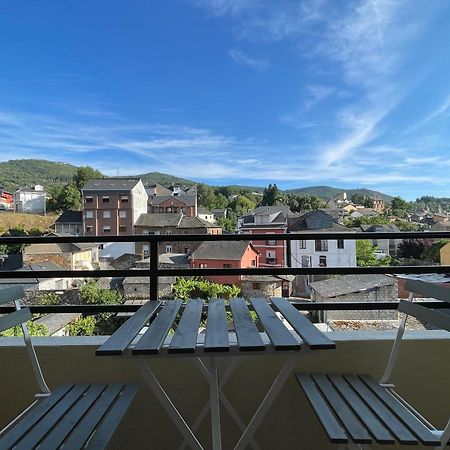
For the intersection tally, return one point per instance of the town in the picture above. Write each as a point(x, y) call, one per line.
point(118, 206)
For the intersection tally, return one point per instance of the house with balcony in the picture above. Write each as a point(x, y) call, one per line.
point(225, 255)
point(30, 200)
point(172, 224)
point(267, 219)
point(111, 207)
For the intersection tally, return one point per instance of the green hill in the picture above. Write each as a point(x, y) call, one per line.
point(327, 192)
point(162, 178)
point(28, 172)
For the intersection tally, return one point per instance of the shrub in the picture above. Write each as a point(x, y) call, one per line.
point(81, 326)
point(48, 298)
point(34, 328)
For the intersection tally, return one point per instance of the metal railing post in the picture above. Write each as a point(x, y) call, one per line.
point(154, 269)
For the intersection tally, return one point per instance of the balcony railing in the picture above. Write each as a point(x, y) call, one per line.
point(154, 271)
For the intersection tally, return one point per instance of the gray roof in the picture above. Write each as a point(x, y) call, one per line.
point(172, 258)
point(111, 184)
point(231, 250)
point(203, 210)
point(349, 284)
point(70, 217)
point(391, 228)
point(188, 200)
point(315, 221)
point(146, 280)
point(159, 220)
point(263, 210)
point(268, 278)
point(196, 222)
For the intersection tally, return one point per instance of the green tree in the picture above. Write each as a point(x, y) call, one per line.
point(82, 326)
point(365, 255)
point(196, 287)
point(358, 199)
point(84, 174)
point(206, 196)
point(433, 252)
point(242, 205)
point(399, 207)
point(271, 195)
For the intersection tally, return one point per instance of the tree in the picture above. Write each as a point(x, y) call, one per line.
point(399, 207)
point(413, 248)
point(65, 198)
point(271, 195)
point(206, 196)
point(84, 174)
point(358, 199)
point(433, 253)
point(365, 255)
point(186, 288)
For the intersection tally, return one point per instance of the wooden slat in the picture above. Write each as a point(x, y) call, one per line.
point(216, 338)
point(431, 290)
point(376, 428)
point(63, 428)
point(46, 424)
point(314, 338)
point(185, 338)
point(333, 429)
point(153, 338)
point(103, 418)
point(15, 318)
point(247, 333)
point(352, 424)
point(425, 314)
point(280, 336)
point(403, 435)
point(34, 415)
point(11, 293)
point(411, 421)
point(122, 338)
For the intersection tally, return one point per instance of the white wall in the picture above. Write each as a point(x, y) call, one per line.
point(336, 257)
point(115, 249)
point(139, 199)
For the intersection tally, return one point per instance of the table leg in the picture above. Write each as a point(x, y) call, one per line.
point(167, 404)
point(215, 405)
point(271, 395)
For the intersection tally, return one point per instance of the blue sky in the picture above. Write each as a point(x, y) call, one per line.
point(300, 93)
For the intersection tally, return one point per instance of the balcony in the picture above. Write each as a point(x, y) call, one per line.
point(421, 374)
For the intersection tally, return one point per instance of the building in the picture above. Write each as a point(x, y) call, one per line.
point(320, 252)
point(267, 219)
point(387, 246)
point(358, 289)
point(204, 214)
point(266, 285)
point(378, 204)
point(111, 207)
point(172, 199)
point(6, 200)
point(69, 222)
point(30, 200)
point(170, 224)
point(225, 255)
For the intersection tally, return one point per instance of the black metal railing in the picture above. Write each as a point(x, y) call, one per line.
point(154, 271)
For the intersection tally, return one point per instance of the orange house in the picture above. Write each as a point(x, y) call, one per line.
point(225, 255)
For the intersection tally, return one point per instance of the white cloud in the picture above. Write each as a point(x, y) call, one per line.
point(241, 58)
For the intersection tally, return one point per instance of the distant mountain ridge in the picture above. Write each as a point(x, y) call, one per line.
point(28, 172)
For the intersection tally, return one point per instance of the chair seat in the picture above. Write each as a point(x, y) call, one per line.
point(74, 415)
point(357, 408)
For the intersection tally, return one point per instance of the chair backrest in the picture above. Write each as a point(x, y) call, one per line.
point(20, 317)
point(430, 290)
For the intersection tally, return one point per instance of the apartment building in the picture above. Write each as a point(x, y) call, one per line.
point(111, 207)
point(172, 199)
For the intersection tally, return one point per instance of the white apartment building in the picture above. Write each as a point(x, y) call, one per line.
point(31, 200)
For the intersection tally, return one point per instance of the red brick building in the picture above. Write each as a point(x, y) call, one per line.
point(223, 255)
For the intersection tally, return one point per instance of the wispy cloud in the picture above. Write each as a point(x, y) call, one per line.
point(241, 58)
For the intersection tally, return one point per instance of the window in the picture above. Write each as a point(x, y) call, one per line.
point(122, 228)
point(146, 250)
point(270, 254)
point(271, 243)
point(89, 229)
point(168, 248)
point(145, 232)
point(89, 214)
point(321, 245)
point(169, 232)
point(256, 286)
point(227, 266)
point(340, 243)
point(306, 261)
point(302, 244)
point(89, 199)
point(203, 266)
point(253, 263)
point(124, 198)
point(107, 214)
point(322, 261)
point(106, 229)
point(122, 214)
point(105, 199)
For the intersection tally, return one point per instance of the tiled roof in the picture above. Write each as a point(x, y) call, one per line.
point(196, 222)
point(188, 200)
point(349, 284)
point(111, 184)
point(230, 250)
point(315, 221)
